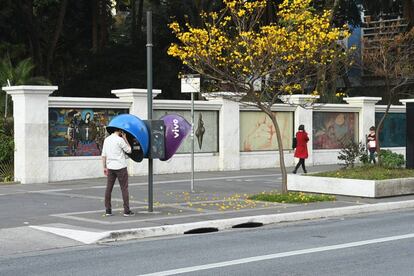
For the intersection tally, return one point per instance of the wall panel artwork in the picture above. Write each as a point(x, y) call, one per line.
point(78, 131)
point(332, 129)
point(394, 129)
point(205, 130)
point(257, 132)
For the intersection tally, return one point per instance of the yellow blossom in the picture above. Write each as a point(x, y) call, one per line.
point(227, 44)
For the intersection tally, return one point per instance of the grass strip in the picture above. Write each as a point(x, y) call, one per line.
point(291, 197)
point(368, 172)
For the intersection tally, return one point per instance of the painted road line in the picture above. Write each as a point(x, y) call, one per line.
point(73, 216)
point(49, 191)
point(86, 237)
point(185, 181)
point(100, 198)
point(280, 255)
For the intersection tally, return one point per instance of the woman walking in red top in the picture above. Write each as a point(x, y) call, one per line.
point(301, 150)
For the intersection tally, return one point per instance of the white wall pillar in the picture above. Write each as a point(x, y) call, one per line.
point(229, 136)
point(366, 114)
point(139, 108)
point(303, 116)
point(31, 132)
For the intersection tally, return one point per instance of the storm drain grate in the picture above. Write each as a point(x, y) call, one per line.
point(202, 230)
point(248, 225)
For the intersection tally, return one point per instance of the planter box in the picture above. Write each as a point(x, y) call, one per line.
point(350, 187)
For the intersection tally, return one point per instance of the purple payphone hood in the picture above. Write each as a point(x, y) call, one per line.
point(176, 130)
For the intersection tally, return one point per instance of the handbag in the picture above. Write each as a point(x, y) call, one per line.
point(294, 143)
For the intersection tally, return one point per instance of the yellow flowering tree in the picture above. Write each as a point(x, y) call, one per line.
point(238, 53)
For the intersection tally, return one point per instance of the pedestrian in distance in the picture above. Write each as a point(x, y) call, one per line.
point(372, 144)
point(301, 150)
point(114, 161)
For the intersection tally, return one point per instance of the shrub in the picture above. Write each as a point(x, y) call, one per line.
point(391, 159)
point(7, 126)
point(6, 149)
point(364, 157)
point(350, 152)
point(6, 171)
point(6, 139)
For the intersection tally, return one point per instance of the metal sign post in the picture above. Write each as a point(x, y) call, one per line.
point(6, 100)
point(409, 149)
point(191, 84)
point(149, 106)
point(192, 143)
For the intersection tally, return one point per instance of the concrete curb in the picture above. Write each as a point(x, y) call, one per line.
point(222, 224)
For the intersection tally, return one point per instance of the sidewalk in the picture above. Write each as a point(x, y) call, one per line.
point(74, 209)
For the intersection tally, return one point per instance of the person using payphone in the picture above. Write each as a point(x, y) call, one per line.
point(114, 151)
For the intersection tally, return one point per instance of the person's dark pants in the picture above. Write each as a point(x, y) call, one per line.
point(122, 176)
point(301, 162)
point(372, 156)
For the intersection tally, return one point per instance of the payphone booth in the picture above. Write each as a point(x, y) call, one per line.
point(156, 139)
point(137, 134)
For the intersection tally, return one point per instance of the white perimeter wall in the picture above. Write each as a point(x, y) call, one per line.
point(228, 157)
point(66, 168)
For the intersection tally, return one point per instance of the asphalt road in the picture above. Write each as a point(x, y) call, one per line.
point(376, 244)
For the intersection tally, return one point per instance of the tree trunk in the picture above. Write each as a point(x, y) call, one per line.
point(102, 21)
point(140, 18)
point(134, 22)
point(32, 32)
point(409, 12)
point(280, 149)
point(94, 26)
point(335, 5)
point(380, 123)
point(378, 130)
point(55, 38)
point(321, 80)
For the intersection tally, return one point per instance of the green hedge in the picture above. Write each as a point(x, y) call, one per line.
point(6, 150)
point(6, 147)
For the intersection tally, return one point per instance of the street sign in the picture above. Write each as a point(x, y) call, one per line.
point(190, 84)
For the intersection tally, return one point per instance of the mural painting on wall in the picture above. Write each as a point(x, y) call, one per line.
point(394, 129)
point(332, 129)
point(205, 130)
point(77, 131)
point(257, 132)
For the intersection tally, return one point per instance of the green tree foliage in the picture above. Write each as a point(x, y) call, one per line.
point(19, 74)
point(69, 41)
point(79, 44)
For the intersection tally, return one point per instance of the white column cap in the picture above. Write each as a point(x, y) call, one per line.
point(362, 100)
point(300, 99)
point(30, 89)
point(405, 101)
point(134, 93)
